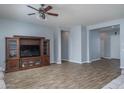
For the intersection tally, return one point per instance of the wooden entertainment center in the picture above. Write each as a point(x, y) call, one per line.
point(25, 52)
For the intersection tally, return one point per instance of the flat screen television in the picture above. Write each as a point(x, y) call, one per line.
point(29, 50)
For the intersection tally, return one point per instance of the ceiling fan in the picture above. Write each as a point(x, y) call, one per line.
point(42, 11)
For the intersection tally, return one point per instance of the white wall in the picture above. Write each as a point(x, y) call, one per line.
point(75, 45)
point(122, 45)
point(94, 45)
point(110, 23)
point(91, 27)
point(57, 45)
point(9, 28)
point(102, 43)
point(84, 44)
point(65, 45)
point(78, 44)
point(105, 44)
point(115, 45)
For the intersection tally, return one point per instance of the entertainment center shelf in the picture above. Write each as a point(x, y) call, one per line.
point(26, 52)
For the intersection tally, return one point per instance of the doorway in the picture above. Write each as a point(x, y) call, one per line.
point(65, 46)
point(105, 43)
point(110, 44)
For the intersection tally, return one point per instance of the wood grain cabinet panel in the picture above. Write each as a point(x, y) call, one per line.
point(12, 65)
point(46, 60)
point(16, 57)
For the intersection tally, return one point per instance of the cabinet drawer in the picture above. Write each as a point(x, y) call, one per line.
point(30, 62)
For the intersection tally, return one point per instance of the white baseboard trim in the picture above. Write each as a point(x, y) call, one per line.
point(110, 58)
point(55, 62)
point(75, 61)
point(107, 57)
point(79, 62)
point(86, 62)
point(58, 62)
point(94, 60)
point(52, 61)
point(65, 59)
point(116, 58)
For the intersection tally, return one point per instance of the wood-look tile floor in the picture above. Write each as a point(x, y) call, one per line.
point(67, 75)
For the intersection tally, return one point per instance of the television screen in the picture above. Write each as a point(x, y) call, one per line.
point(29, 50)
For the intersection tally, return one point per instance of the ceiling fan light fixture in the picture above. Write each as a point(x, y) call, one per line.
point(40, 17)
point(42, 11)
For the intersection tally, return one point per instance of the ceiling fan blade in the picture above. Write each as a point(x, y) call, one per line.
point(47, 8)
point(32, 7)
point(31, 14)
point(53, 14)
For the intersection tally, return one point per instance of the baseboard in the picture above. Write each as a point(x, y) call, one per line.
point(116, 58)
point(52, 62)
point(110, 58)
point(94, 60)
point(107, 57)
point(88, 61)
point(74, 61)
point(79, 62)
point(55, 62)
point(58, 62)
point(64, 59)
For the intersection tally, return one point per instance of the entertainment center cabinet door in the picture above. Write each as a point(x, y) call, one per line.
point(46, 52)
point(12, 54)
point(46, 60)
point(12, 48)
point(12, 65)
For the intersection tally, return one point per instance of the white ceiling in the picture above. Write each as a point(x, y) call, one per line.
point(69, 14)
